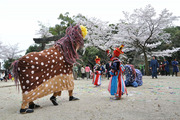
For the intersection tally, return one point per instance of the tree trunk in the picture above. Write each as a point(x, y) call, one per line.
point(43, 46)
point(146, 63)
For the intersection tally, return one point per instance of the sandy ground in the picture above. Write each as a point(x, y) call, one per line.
point(157, 99)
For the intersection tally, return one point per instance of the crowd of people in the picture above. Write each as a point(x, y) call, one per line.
point(86, 72)
point(5, 75)
point(156, 68)
point(133, 76)
point(163, 68)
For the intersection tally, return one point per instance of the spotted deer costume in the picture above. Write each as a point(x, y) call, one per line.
point(49, 71)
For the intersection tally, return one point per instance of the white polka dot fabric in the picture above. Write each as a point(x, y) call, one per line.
point(44, 71)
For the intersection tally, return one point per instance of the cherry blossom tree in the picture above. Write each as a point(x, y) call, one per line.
point(143, 31)
point(44, 30)
point(10, 52)
point(99, 32)
point(1, 49)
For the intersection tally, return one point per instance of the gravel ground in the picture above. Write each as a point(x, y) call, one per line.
point(156, 99)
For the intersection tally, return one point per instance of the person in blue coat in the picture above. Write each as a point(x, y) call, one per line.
point(153, 66)
point(175, 67)
point(166, 64)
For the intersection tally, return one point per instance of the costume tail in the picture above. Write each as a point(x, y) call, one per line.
point(15, 72)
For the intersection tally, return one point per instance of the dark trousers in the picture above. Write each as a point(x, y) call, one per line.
point(175, 73)
point(83, 75)
point(154, 74)
point(108, 75)
point(167, 73)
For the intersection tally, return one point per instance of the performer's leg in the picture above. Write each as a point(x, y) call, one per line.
point(24, 105)
point(32, 105)
point(53, 98)
point(71, 97)
point(24, 108)
point(70, 92)
point(57, 94)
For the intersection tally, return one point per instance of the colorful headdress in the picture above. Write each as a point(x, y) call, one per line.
point(118, 51)
point(83, 30)
point(97, 59)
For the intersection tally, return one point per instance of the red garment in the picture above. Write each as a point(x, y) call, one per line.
point(119, 89)
point(10, 76)
point(96, 82)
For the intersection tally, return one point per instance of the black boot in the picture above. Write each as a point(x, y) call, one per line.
point(71, 98)
point(32, 106)
point(53, 100)
point(27, 110)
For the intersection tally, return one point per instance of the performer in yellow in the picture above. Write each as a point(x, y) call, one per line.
point(49, 71)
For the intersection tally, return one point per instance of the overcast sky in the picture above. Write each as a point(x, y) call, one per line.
point(19, 18)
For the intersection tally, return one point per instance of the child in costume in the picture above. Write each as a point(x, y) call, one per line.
point(49, 71)
point(97, 72)
point(116, 84)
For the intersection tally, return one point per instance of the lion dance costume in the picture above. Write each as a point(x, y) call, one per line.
point(49, 71)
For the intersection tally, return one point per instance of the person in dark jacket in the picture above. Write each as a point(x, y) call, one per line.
point(166, 64)
point(175, 67)
point(108, 68)
point(153, 66)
